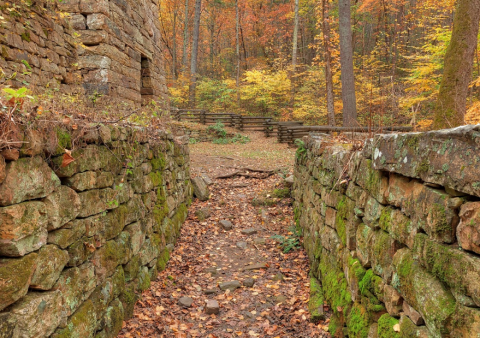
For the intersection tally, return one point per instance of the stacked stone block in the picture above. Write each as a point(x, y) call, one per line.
point(392, 232)
point(79, 243)
point(106, 48)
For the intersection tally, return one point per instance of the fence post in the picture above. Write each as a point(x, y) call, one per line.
point(203, 117)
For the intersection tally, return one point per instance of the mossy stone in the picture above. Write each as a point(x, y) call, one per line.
point(81, 324)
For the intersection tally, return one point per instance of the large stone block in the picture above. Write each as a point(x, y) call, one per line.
point(50, 263)
point(76, 284)
point(23, 228)
point(446, 157)
point(200, 189)
point(372, 180)
point(15, 274)
point(39, 313)
point(107, 258)
point(457, 269)
point(62, 206)
point(424, 292)
point(81, 324)
point(68, 234)
point(26, 179)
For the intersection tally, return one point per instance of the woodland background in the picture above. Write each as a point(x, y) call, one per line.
point(399, 48)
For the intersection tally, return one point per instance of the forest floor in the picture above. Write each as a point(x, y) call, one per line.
point(206, 256)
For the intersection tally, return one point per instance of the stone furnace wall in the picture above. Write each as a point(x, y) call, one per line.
point(97, 47)
point(393, 232)
point(80, 242)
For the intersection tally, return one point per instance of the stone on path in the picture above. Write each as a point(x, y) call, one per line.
point(203, 214)
point(200, 189)
point(256, 266)
point(185, 302)
point(280, 299)
point(206, 179)
point(249, 282)
point(210, 291)
point(212, 270)
point(241, 245)
point(232, 286)
point(278, 277)
point(226, 225)
point(212, 307)
point(289, 181)
point(259, 240)
point(249, 231)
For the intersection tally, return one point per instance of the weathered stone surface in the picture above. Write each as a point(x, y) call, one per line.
point(26, 179)
point(114, 318)
point(468, 231)
point(23, 228)
point(413, 314)
point(50, 263)
point(76, 284)
point(444, 157)
point(225, 225)
point(68, 234)
point(96, 201)
point(423, 291)
point(232, 286)
point(62, 206)
point(409, 329)
point(203, 214)
point(458, 269)
point(248, 282)
point(393, 301)
point(8, 325)
point(249, 231)
point(241, 245)
point(81, 324)
point(200, 189)
point(107, 258)
point(212, 307)
point(82, 181)
point(256, 266)
point(39, 313)
point(15, 274)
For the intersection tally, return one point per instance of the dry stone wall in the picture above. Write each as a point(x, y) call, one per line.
point(108, 48)
point(392, 232)
point(80, 242)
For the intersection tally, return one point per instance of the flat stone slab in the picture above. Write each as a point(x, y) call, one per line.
point(249, 231)
point(185, 302)
point(210, 292)
point(226, 225)
point(232, 286)
point(212, 307)
point(259, 240)
point(256, 266)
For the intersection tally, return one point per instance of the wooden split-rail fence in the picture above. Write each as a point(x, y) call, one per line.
point(286, 132)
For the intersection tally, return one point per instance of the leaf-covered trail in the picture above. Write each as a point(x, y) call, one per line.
point(206, 256)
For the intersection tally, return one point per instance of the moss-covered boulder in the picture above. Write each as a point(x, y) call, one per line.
point(62, 206)
point(143, 279)
point(128, 299)
point(358, 322)
point(26, 179)
point(409, 329)
point(39, 313)
point(16, 274)
point(386, 325)
point(23, 228)
point(81, 324)
point(76, 284)
point(50, 263)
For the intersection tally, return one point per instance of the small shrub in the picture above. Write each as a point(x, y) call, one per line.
point(193, 141)
point(281, 193)
point(218, 129)
point(290, 242)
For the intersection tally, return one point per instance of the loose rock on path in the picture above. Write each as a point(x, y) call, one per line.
point(232, 277)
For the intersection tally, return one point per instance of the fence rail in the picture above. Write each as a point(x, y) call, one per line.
point(286, 132)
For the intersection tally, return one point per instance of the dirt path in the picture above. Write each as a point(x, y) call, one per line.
point(207, 255)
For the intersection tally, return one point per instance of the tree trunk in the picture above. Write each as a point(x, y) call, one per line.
point(237, 50)
point(193, 64)
point(174, 45)
point(294, 50)
point(328, 64)
point(452, 99)
point(346, 60)
point(185, 38)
